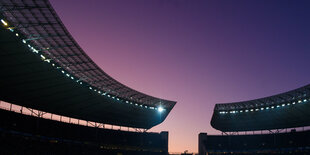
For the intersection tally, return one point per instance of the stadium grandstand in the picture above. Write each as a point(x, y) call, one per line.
point(45, 71)
point(272, 125)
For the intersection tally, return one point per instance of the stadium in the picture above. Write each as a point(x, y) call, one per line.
point(56, 100)
point(272, 125)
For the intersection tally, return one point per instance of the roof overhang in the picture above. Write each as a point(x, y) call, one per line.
point(44, 68)
point(285, 110)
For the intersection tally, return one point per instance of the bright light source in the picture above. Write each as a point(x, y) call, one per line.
point(4, 22)
point(42, 56)
point(35, 51)
point(24, 41)
point(160, 109)
point(16, 34)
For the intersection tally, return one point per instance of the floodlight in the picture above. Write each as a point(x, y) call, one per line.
point(42, 56)
point(160, 109)
point(4, 22)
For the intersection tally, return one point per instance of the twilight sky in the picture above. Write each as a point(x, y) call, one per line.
point(195, 52)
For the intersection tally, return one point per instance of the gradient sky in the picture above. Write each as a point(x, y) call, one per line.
point(195, 52)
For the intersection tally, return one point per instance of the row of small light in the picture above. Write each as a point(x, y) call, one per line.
point(34, 50)
point(264, 108)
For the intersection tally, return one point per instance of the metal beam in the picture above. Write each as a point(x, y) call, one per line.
point(6, 8)
point(38, 36)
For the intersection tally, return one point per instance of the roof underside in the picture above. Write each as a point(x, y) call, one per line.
point(44, 68)
point(286, 110)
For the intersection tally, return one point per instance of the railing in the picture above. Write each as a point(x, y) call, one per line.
point(264, 132)
point(37, 113)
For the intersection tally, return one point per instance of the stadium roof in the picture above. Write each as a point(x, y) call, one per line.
point(44, 68)
point(286, 110)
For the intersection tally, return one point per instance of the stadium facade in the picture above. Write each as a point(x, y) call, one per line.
point(45, 69)
point(274, 115)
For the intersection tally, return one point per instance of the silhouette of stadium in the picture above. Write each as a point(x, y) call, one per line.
point(56, 100)
point(45, 72)
point(270, 125)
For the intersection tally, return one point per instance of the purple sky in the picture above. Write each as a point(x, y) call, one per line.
point(195, 52)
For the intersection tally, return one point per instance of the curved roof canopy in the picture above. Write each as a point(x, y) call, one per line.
point(44, 68)
point(286, 110)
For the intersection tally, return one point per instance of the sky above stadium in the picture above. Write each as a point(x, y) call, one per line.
point(195, 52)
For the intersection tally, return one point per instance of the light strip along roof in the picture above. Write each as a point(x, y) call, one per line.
point(266, 101)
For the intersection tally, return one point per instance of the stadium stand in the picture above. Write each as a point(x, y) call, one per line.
point(277, 143)
point(270, 114)
point(45, 69)
point(286, 110)
point(24, 134)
